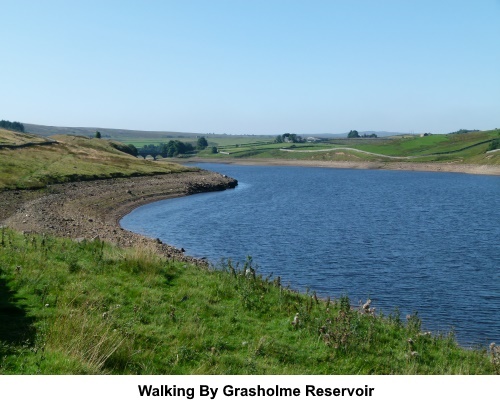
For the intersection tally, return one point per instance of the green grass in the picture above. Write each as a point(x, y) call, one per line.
point(458, 148)
point(91, 308)
point(72, 158)
point(428, 145)
point(12, 138)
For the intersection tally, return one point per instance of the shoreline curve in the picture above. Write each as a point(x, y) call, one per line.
point(93, 209)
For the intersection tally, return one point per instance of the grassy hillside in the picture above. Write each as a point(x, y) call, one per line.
point(12, 138)
point(457, 148)
point(88, 307)
point(69, 158)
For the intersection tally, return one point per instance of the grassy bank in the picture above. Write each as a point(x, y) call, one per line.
point(68, 158)
point(88, 307)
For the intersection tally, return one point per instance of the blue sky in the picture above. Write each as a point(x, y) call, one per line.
point(252, 67)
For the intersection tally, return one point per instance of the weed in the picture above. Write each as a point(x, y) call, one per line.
point(495, 357)
point(73, 265)
point(413, 323)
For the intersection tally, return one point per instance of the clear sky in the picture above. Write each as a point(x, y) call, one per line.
point(252, 67)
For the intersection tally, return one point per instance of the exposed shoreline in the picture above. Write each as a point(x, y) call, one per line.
point(93, 209)
point(489, 170)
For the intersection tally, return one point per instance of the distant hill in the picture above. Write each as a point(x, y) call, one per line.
point(123, 134)
point(344, 134)
point(112, 133)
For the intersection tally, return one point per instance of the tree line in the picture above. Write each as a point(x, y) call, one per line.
point(171, 149)
point(355, 134)
point(287, 137)
point(12, 125)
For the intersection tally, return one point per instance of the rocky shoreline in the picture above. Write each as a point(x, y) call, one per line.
point(491, 170)
point(93, 209)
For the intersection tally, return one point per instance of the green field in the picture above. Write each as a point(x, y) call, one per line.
point(458, 148)
point(69, 158)
point(91, 308)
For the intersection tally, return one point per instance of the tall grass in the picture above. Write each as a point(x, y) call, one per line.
point(89, 307)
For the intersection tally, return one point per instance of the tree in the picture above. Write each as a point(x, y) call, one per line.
point(133, 150)
point(201, 143)
point(278, 139)
point(130, 149)
point(353, 134)
point(214, 149)
point(14, 126)
point(287, 137)
point(495, 144)
point(97, 135)
point(174, 148)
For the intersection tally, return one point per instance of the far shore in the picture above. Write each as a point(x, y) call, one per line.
point(491, 170)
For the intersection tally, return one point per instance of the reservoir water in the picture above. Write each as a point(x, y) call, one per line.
point(416, 241)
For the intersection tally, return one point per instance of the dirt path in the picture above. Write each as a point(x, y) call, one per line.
point(92, 209)
point(351, 149)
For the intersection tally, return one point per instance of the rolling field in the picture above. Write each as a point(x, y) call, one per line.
point(470, 148)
